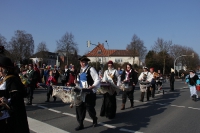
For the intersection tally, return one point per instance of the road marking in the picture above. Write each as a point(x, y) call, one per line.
point(41, 127)
point(130, 131)
point(178, 106)
point(86, 119)
point(55, 110)
point(107, 125)
point(69, 114)
point(194, 108)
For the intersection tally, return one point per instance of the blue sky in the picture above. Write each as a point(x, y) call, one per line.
point(98, 20)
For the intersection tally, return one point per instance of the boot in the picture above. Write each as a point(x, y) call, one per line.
point(80, 127)
point(132, 105)
point(142, 96)
point(54, 98)
point(123, 107)
point(47, 99)
point(29, 101)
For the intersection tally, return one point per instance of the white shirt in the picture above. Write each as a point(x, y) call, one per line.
point(149, 76)
point(94, 76)
point(114, 72)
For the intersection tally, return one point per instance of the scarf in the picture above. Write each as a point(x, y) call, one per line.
point(192, 75)
point(128, 75)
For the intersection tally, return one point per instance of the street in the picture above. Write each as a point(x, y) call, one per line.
point(173, 112)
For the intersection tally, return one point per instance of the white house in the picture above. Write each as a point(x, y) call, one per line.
point(102, 55)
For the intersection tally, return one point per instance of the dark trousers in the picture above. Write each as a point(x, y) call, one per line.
point(147, 94)
point(30, 94)
point(129, 94)
point(49, 93)
point(109, 106)
point(64, 82)
point(152, 91)
point(172, 85)
point(89, 104)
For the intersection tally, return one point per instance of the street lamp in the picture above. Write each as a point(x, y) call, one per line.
point(179, 57)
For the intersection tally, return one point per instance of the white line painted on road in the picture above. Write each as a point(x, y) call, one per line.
point(69, 114)
point(130, 131)
point(55, 110)
point(194, 108)
point(41, 127)
point(86, 119)
point(178, 106)
point(107, 125)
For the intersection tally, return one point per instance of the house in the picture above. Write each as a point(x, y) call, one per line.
point(60, 59)
point(103, 55)
point(45, 57)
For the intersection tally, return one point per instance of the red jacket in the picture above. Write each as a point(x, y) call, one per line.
point(52, 80)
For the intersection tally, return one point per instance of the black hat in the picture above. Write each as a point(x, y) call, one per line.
point(6, 62)
point(84, 58)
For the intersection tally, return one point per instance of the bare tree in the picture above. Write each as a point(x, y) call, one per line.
point(21, 45)
point(42, 47)
point(187, 60)
point(137, 47)
point(67, 46)
point(163, 47)
point(42, 51)
point(3, 41)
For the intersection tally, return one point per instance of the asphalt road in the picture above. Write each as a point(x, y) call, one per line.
point(173, 112)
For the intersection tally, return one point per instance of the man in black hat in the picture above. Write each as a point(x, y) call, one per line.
point(12, 88)
point(88, 78)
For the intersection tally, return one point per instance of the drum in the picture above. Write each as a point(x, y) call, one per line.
point(125, 86)
point(107, 87)
point(198, 87)
point(144, 85)
point(64, 93)
point(74, 95)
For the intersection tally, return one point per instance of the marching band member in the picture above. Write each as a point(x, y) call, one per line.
point(145, 77)
point(109, 106)
point(72, 77)
point(129, 76)
point(50, 81)
point(32, 78)
point(88, 78)
point(153, 77)
point(13, 117)
point(192, 80)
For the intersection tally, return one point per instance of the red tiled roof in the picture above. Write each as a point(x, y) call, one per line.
point(94, 52)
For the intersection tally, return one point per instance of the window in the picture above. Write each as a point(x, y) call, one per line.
point(99, 59)
point(118, 60)
point(99, 51)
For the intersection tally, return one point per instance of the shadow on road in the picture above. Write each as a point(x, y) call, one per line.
point(141, 115)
